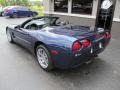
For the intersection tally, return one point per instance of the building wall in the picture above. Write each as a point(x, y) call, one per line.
point(88, 20)
point(117, 10)
point(116, 30)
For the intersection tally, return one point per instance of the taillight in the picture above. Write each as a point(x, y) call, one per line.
point(76, 46)
point(107, 35)
point(85, 43)
point(54, 52)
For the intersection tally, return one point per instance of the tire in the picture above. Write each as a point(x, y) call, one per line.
point(15, 15)
point(44, 58)
point(34, 14)
point(9, 37)
point(2, 14)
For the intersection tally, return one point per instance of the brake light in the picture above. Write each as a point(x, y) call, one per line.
point(76, 46)
point(85, 43)
point(107, 35)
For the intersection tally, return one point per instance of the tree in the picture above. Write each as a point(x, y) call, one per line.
point(14, 2)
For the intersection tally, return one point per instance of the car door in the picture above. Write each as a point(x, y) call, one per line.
point(22, 11)
point(26, 11)
point(22, 37)
point(29, 12)
point(19, 11)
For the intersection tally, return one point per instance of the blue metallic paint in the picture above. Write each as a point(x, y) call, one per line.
point(20, 12)
point(61, 42)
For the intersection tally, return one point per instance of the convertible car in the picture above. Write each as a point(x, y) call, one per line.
point(58, 44)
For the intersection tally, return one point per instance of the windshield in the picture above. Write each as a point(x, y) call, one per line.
point(47, 21)
point(40, 22)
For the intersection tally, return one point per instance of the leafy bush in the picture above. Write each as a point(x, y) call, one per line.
point(39, 9)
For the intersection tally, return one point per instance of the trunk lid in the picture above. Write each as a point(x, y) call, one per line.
point(79, 32)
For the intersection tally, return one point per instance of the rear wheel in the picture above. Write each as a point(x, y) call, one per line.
point(44, 58)
point(34, 14)
point(15, 15)
point(2, 14)
point(9, 36)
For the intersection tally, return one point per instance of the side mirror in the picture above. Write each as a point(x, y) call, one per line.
point(18, 27)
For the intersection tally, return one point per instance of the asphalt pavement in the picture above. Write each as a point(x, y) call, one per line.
point(19, 70)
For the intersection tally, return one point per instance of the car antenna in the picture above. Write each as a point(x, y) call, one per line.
point(69, 23)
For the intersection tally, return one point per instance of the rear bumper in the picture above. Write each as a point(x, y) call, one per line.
point(76, 59)
point(66, 61)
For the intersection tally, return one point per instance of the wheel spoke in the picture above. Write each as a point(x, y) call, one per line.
point(42, 58)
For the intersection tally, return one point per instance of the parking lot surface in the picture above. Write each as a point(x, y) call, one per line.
point(19, 70)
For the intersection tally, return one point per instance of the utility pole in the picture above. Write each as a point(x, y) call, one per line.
point(105, 14)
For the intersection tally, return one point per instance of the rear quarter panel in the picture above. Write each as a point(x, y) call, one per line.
point(53, 40)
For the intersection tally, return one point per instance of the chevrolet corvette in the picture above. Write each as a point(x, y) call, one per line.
point(57, 44)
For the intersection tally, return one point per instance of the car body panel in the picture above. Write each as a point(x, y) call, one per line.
point(61, 39)
point(19, 11)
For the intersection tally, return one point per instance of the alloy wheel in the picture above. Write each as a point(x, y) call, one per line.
point(42, 58)
point(9, 36)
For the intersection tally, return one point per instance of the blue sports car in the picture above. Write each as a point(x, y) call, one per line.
point(56, 44)
point(19, 11)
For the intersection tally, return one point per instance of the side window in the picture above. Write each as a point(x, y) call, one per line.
point(27, 25)
point(24, 8)
point(18, 8)
point(49, 21)
point(34, 24)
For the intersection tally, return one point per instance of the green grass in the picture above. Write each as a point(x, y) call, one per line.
point(39, 9)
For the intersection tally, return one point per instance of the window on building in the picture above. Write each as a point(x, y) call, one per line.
point(61, 5)
point(82, 6)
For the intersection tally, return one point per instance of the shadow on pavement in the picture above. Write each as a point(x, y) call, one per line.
point(84, 74)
